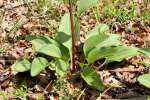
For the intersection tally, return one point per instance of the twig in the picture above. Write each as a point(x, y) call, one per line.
point(125, 70)
point(97, 68)
point(99, 98)
point(47, 86)
point(82, 93)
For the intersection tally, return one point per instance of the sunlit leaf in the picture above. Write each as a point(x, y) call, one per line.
point(92, 78)
point(145, 80)
point(92, 42)
point(64, 32)
point(83, 5)
point(50, 50)
point(39, 41)
point(43, 45)
point(62, 67)
point(21, 66)
point(112, 53)
point(37, 44)
point(98, 29)
point(145, 51)
point(38, 65)
point(46, 39)
point(99, 41)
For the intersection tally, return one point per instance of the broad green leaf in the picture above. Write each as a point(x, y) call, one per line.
point(113, 53)
point(145, 80)
point(39, 41)
point(21, 66)
point(83, 5)
point(44, 45)
point(92, 78)
point(91, 43)
point(145, 52)
point(99, 41)
point(112, 40)
point(98, 37)
point(64, 33)
point(37, 44)
point(50, 50)
point(45, 39)
point(64, 50)
point(62, 67)
point(98, 29)
point(38, 65)
point(101, 45)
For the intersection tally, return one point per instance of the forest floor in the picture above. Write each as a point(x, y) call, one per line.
point(19, 19)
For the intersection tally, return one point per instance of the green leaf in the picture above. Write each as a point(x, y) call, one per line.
point(38, 65)
point(145, 51)
point(91, 43)
point(50, 50)
point(64, 33)
point(98, 37)
point(62, 67)
point(83, 5)
point(39, 41)
point(64, 50)
point(145, 80)
point(92, 78)
point(113, 53)
point(112, 40)
point(37, 44)
point(45, 46)
point(21, 66)
point(46, 39)
point(100, 45)
point(98, 29)
point(99, 41)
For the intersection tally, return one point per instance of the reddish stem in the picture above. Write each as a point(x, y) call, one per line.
point(73, 63)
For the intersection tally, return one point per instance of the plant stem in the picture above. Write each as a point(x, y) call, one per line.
point(73, 63)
